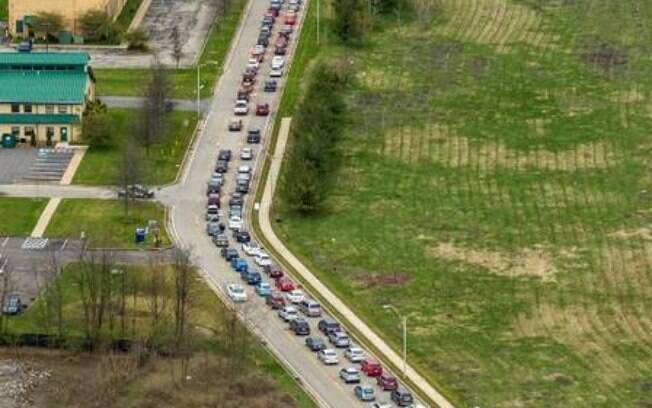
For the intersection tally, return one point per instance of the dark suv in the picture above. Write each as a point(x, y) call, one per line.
point(328, 326)
point(229, 253)
point(402, 397)
point(253, 136)
point(300, 327)
point(224, 155)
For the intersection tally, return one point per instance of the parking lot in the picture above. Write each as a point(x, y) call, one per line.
point(15, 163)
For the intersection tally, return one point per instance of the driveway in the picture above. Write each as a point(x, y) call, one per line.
point(16, 163)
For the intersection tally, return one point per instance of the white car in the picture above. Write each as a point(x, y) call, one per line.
point(328, 356)
point(252, 63)
point(354, 354)
point(244, 169)
point(247, 153)
point(235, 223)
point(276, 73)
point(241, 107)
point(251, 249)
point(381, 404)
point(257, 50)
point(288, 313)
point(262, 259)
point(277, 62)
point(295, 296)
point(236, 292)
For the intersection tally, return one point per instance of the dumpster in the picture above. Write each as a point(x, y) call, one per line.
point(8, 141)
point(139, 236)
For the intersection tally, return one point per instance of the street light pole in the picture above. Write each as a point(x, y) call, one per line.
point(404, 324)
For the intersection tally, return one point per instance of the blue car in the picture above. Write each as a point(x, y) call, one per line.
point(233, 261)
point(263, 289)
point(254, 278)
point(240, 265)
point(364, 393)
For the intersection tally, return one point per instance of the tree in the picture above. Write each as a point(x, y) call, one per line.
point(95, 289)
point(136, 40)
point(177, 47)
point(348, 20)
point(129, 169)
point(97, 129)
point(153, 118)
point(47, 23)
point(96, 25)
point(7, 287)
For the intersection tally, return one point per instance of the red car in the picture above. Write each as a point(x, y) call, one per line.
point(275, 300)
point(371, 367)
point(285, 284)
point(274, 271)
point(387, 382)
point(290, 20)
point(262, 109)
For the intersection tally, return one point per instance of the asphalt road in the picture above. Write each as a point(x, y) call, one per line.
point(187, 202)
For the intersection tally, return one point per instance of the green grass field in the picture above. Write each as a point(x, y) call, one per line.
point(100, 165)
point(494, 186)
point(19, 215)
point(4, 10)
point(104, 222)
point(128, 12)
point(132, 82)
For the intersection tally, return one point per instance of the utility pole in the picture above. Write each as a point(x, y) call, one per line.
point(404, 324)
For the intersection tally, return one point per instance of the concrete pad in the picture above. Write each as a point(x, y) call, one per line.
point(45, 217)
point(73, 165)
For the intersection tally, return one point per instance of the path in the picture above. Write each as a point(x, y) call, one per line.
point(135, 102)
point(57, 191)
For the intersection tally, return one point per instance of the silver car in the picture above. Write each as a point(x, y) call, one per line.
point(350, 375)
point(339, 339)
point(328, 356)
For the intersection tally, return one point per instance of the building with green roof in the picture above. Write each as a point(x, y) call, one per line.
point(43, 95)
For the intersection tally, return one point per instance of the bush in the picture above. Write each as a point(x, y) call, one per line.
point(98, 26)
point(136, 40)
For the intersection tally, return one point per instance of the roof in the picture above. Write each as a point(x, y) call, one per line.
point(42, 86)
point(37, 119)
point(44, 58)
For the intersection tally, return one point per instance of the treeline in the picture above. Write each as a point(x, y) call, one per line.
point(314, 134)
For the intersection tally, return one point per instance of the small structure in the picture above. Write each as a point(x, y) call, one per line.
point(43, 95)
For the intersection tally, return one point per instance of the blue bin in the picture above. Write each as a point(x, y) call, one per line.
point(139, 236)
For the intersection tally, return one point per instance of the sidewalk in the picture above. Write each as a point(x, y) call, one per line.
point(351, 319)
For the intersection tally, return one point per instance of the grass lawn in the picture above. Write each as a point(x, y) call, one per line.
point(4, 10)
point(19, 215)
point(494, 187)
point(100, 165)
point(104, 223)
point(128, 12)
point(131, 82)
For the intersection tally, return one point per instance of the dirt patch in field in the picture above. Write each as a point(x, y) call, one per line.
point(527, 262)
point(382, 280)
point(642, 232)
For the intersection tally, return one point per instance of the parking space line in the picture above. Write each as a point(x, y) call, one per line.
point(4, 243)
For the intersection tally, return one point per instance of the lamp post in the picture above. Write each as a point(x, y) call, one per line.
point(199, 84)
point(404, 323)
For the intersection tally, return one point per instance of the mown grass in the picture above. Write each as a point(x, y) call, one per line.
point(4, 11)
point(132, 82)
point(100, 165)
point(494, 188)
point(128, 12)
point(104, 222)
point(19, 215)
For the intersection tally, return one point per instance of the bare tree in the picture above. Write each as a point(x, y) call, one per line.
point(6, 271)
point(156, 288)
point(184, 289)
point(177, 47)
point(129, 170)
point(153, 117)
point(95, 288)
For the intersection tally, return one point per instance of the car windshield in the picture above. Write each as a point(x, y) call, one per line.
point(237, 289)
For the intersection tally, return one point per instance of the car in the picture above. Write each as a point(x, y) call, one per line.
point(262, 109)
point(242, 187)
point(284, 284)
point(236, 200)
point(225, 154)
point(281, 41)
point(212, 228)
point(242, 95)
point(253, 136)
point(295, 296)
point(354, 354)
point(266, 30)
point(328, 356)
point(262, 259)
point(371, 367)
point(364, 393)
point(262, 41)
point(250, 73)
point(253, 63)
point(294, 7)
point(235, 211)
point(257, 50)
point(310, 308)
point(387, 382)
point(315, 344)
point(276, 73)
point(275, 300)
point(236, 292)
point(242, 236)
point(381, 404)
point(13, 305)
point(213, 199)
point(246, 153)
point(252, 277)
point(228, 254)
point(280, 50)
point(278, 62)
point(339, 339)
point(274, 271)
point(136, 191)
point(241, 107)
point(221, 241)
point(214, 185)
point(273, 11)
point(290, 19)
point(300, 327)
point(350, 375)
point(288, 313)
point(235, 125)
point(287, 30)
point(270, 86)
point(222, 166)
point(402, 397)
point(244, 169)
point(212, 210)
point(235, 223)
point(263, 289)
point(244, 177)
point(239, 265)
point(326, 326)
point(250, 248)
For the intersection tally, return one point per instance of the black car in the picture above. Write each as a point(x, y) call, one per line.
point(136, 191)
point(242, 236)
point(253, 136)
point(280, 51)
point(402, 397)
point(242, 188)
point(229, 253)
point(221, 241)
point(262, 40)
point(270, 86)
point(224, 155)
point(13, 305)
point(242, 96)
point(236, 201)
point(315, 344)
point(213, 189)
point(300, 327)
point(222, 166)
point(328, 326)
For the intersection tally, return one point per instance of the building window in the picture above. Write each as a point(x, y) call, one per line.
point(49, 109)
point(63, 109)
point(27, 108)
point(15, 108)
point(15, 130)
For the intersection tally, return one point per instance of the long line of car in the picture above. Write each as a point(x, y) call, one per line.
point(251, 262)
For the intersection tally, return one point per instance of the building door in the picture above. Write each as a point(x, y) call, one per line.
point(49, 135)
point(63, 133)
point(29, 133)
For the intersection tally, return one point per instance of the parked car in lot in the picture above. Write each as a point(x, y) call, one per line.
point(350, 375)
point(212, 228)
point(236, 292)
point(263, 289)
point(280, 50)
point(295, 296)
point(327, 326)
point(371, 367)
point(270, 86)
point(241, 107)
point(221, 241)
point(250, 248)
point(287, 30)
point(310, 308)
point(239, 265)
point(213, 199)
point(275, 300)
point(262, 259)
point(273, 11)
point(262, 109)
point(222, 166)
point(224, 154)
point(381, 404)
point(284, 284)
point(387, 382)
point(274, 271)
point(364, 393)
point(228, 254)
point(212, 210)
point(328, 356)
point(402, 397)
point(252, 277)
point(246, 153)
point(276, 73)
point(136, 191)
point(278, 62)
point(236, 200)
point(315, 344)
point(241, 236)
point(300, 327)
point(290, 20)
point(253, 63)
point(288, 313)
point(242, 186)
point(242, 95)
point(235, 223)
point(13, 305)
point(354, 354)
point(235, 125)
point(253, 136)
point(339, 339)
